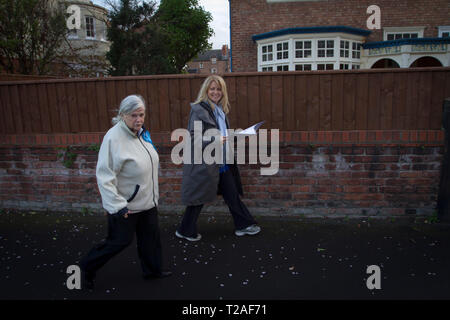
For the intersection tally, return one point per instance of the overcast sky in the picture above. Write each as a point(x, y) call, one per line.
point(219, 10)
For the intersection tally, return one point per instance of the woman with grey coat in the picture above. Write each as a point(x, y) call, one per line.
point(202, 181)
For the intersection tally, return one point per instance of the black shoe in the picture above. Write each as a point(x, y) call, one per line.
point(162, 274)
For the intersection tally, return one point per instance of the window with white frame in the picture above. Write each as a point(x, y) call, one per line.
point(405, 35)
point(213, 60)
point(325, 48)
point(356, 66)
point(304, 53)
point(303, 67)
point(444, 32)
point(356, 50)
point(267, 53)
point(325, 66)
point(283, 50)
point(103, 32)
point(398, 33)
point(90, 27)
point(213, 70)
point(303, 49)
point(200, 65)
point(345, 49)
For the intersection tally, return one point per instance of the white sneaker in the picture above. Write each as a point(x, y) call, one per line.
point(251, 230)
point(179, 235)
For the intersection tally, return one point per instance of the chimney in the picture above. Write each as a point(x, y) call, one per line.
point(225, 51)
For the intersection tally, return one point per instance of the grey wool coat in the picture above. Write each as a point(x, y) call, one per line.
point(201, 181)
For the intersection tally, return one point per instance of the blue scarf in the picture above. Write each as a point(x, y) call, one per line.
point(145, 134)
point(220, 117)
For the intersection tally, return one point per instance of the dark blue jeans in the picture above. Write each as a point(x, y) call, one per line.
point(241, 216)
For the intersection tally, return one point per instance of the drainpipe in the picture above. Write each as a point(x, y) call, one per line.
point(231, 47)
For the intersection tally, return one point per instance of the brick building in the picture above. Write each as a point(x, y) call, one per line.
point(288, 35)
point(89, 43)
point(211, 61)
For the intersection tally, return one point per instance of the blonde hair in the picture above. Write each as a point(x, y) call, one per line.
point(203, 93)
point(128, 105)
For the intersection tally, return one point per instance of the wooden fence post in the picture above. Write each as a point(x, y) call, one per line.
point(443, 202)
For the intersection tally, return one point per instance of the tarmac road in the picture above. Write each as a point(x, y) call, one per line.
point(291, 259)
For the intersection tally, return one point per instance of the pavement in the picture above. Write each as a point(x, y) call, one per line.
point(293, 258)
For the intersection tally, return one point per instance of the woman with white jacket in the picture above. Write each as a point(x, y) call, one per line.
point(127, 178)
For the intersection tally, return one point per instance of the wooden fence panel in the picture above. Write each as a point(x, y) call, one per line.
point(61, 107)
point(399, 107)
point(104, 116)
point(163, 94)
point(33, 109)
point(403, 99)
point(301, 106)
point(412, 100)
point(362, 101)
point(53, 107)
point(8, 114)
point(74, 98)
point(44, 108)
point(386, 101)
point(253, 100)
point(337, 103)
point(232, 94)
point(373, 112)
point(325, 102)
point(23, 105)
point(288, 103)
point(242, 108)
point(82, 104)
point(92, 106)
point(437, 92)
point(174, 103)
point(277, 102)
point(185, 99)
point(266, 100)
point(153, 101)
point(424, 100)
point(313, 93)
point(112, 104)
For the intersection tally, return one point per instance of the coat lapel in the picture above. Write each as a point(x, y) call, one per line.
point(207, 107)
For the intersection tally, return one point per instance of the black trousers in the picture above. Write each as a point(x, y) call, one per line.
point(241, 216)
point(120, 235)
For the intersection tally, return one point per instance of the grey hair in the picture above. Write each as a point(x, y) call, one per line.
point(128, 105)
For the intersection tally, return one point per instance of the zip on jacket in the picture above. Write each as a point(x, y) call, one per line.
point(151, 160)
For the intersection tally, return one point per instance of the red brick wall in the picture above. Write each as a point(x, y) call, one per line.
point(326, 173)
point(250, 17)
